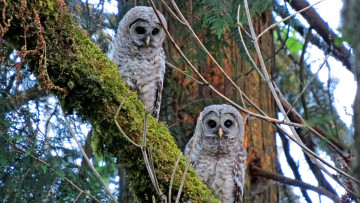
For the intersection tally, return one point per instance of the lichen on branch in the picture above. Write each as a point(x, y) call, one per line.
point(73, 68)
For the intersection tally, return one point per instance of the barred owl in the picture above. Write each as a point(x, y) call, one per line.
point(138, 53)
point(219, 154)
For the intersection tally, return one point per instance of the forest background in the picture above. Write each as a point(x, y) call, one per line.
point(49, 69)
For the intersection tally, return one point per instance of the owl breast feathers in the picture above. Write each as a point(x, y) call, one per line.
point(219, 155)
point(138, 53)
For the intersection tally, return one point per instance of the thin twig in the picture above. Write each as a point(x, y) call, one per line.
point(117, 124)
point(298, 183)
point(146, 159)
point(263, 116)
point(77, 197)
point(205, 50)
point(206, 83)
point(244, 45)
point(183, 72)
point(307, 85)
point(242, 27)
point(173, 174)
point(151, 161)
point(142, 146)
point(87, 158)
point(299, 119)
point(285, 19)
point(283, 44)
point(66, 179)
point(189, 159)
point(172, 12)
point(311, 153)
point(277, 100)
point(49, 192)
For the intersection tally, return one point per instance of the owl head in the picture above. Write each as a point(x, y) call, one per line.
point(142, 28)
point(222, 122)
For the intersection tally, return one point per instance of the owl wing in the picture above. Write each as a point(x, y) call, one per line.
point(193, 161)
point(239, 173)
point(157, 103)
point(159, 84)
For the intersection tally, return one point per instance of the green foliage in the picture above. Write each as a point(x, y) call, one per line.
point(95, 94)
point(94, 90)
point(318, 97)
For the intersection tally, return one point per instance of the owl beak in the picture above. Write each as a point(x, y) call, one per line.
point(221, 132)
point(147, 40)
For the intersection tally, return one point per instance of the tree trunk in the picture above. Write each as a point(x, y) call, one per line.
point(67, 63)
point(259, 134)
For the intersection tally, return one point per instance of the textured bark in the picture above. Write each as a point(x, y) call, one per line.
point(68, 64)
point(260, 135)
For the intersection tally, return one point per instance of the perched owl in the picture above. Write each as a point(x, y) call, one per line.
point(219, 154)
point(138, 53)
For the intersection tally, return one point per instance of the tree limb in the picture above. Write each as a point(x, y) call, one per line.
point(67, 63)
point(323, 29)
point(279, 178)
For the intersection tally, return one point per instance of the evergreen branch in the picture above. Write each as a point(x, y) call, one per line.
point(205, 50)
point(94, 91)
point(262, 116)
point(87, 158)
point(287, 18)
point(51, 168)
point(279, 104)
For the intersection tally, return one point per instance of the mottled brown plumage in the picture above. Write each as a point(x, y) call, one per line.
point(219, 154)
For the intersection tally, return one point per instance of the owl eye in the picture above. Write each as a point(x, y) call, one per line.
point(228, 123)
point(155, 31)
point(140, 30)
point(211, 123)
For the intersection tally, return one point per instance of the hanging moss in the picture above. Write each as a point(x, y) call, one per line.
point(67, 60)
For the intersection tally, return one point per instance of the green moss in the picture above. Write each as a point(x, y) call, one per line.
point(95, 93)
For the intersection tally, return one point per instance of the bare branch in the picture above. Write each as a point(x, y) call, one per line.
point(77, 197)
point(183, 72)
point(173, 174)
point(117, 124)
point(307, 85)
point(189, 159)
point(287, 18)
point(86, 158)
point(323, 29)
point(277, 177)
point(205, 50)
point(66, 179)
point(263, 116)
point(311, 154)
point(244, 45)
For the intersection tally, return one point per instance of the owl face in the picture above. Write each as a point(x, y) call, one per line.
point(145, 33)
point(222, 122)
point(141, 28)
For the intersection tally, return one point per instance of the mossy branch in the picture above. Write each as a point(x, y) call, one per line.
point(69, 65)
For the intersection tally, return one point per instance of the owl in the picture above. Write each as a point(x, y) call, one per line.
point(219, 154)
point(138, 53)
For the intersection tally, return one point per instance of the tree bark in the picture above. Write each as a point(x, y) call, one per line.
point(260, 135)
point(69, 65)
